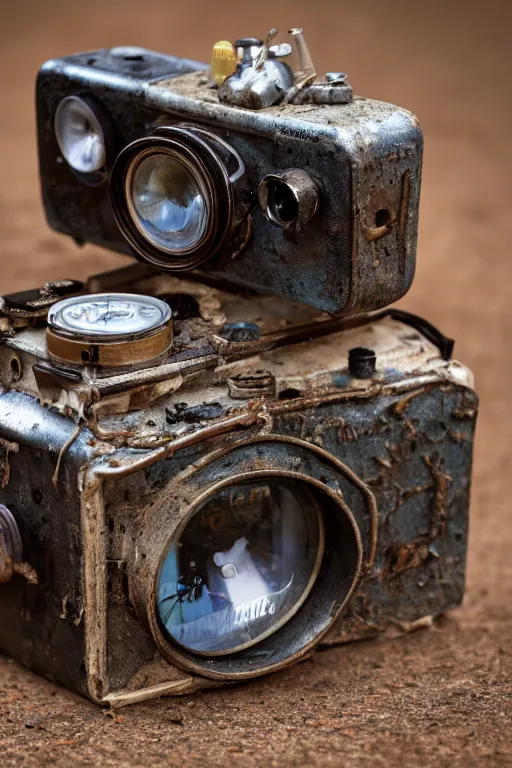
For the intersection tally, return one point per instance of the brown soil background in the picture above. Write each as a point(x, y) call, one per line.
point(441, 697)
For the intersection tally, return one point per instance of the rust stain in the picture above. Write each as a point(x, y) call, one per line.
point(404, 558)
point(404, 202)
point(6, 448)
point(442, 482)
point(345, 433)
point(402, 404)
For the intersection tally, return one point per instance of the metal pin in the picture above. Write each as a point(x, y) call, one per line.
point(307, 73)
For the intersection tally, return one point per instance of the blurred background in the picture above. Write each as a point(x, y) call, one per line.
point(449, 62)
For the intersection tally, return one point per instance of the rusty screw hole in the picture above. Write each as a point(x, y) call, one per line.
point(15, 369)
point(289, 394)
point(382, 217)
point(37, 496)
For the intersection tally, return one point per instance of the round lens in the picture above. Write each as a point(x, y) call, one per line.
point(80, 135)
point(243, 566)
point(168, 202)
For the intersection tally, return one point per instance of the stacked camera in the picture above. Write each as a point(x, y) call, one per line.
point(230, 450)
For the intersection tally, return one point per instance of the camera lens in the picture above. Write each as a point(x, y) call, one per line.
point(178, 195)
point(169, 201)
point(242, 566)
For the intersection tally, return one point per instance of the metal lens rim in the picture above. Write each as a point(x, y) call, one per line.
point(214, 178)
point(295, 607)
point(270, 207)
point(191, 660)
point(200, 178)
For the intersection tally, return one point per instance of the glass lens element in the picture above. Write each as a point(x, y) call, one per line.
point(80, 135)
point(169, 204)
point(242, 566)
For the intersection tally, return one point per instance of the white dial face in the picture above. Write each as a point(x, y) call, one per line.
point(109, 315)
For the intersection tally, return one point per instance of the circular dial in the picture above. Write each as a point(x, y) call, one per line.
point(242, 566)
point(109, 316)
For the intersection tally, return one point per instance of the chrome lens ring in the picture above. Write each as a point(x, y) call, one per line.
point(178, 151)
point(333, 580)
point(350, 541)
point(241, 566)
point(161, 163)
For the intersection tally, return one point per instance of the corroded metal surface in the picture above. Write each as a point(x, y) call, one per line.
point(104, 451)
point(357, 254)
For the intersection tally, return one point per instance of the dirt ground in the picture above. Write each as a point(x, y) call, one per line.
point(436, 698)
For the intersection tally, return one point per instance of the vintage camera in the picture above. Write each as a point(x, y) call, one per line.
point(200, 482)
point(306, 193)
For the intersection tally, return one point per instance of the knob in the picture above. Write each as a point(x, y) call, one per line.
point(289, 199)
point(362, 362)
point(248, 46)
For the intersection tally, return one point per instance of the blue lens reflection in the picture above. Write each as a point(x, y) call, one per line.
point(244, 564)
point(169, 204)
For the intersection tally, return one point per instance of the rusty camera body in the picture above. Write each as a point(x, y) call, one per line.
point(345, 176)
point(201, 478)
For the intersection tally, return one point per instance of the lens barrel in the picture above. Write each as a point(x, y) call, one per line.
point(242, 566)
point(235, 573)
point(174, 196)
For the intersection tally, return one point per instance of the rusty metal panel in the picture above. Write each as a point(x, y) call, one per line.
point(97, 466)
point(357, 254)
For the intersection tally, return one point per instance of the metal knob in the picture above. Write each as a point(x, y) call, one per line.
point(249, 46)
point(362, 362)
point(289, 199)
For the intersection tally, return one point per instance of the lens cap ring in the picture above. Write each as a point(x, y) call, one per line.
point(350, 536)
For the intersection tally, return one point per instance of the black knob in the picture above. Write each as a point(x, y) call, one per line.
point(362, 362)
point(248, 42)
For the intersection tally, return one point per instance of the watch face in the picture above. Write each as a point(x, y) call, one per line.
point(108, 316)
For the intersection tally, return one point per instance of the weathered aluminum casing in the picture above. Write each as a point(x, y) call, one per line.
point(357, 254)
point(397, 449)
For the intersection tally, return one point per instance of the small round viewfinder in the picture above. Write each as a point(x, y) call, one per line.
point(80, 135)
